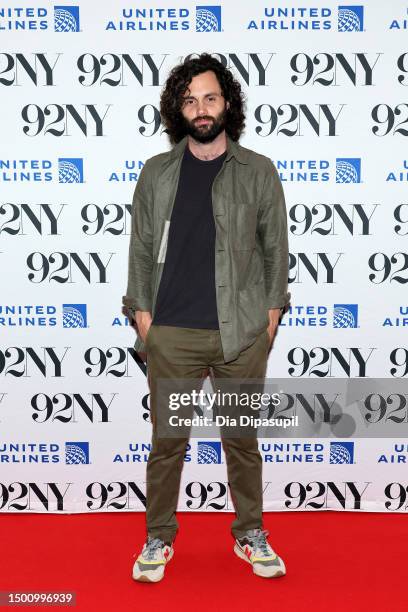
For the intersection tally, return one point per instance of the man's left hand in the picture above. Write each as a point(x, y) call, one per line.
point(274, 315)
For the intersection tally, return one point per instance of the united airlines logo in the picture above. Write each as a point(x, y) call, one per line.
point(70, 170)
point(341, 452)
point(63, 169)
point(74, 315)
point(76, 453)
point(208, 452)
point(350, 19)
point(345, 315)
point(314, 17)
point(66, 18)
point(208, 19)
point(348, 170)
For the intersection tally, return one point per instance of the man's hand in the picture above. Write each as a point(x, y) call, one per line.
point(143, 322)
point(274, 315)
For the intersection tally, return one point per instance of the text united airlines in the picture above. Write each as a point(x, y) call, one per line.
point(290, 18)
point(151, 19)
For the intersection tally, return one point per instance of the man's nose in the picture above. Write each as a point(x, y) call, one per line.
point(201, 107)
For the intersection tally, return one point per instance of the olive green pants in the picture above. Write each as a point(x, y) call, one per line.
point(184, 353)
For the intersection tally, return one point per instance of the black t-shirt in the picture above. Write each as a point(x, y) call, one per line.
point(186, 296)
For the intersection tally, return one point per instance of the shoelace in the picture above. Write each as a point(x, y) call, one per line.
point(152, 546)
point(258, 540)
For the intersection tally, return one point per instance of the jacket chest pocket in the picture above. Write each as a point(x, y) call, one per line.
point(242, 226)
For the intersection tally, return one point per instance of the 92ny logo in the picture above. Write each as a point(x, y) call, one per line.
point(21, 219)
point(26, 496)
point(319, 268)
point(70, 407)
point(68, 267)
point(329, 361)
point(26, 361)
point(64, 119)
point(333, 69)
point(331, 219)
point(323, 495)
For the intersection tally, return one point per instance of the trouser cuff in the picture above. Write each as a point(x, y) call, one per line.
point(166, 537)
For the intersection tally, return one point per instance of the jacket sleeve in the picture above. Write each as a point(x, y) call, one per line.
point(140, 265)
point(273, 232)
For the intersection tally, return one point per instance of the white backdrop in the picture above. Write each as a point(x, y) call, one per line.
point(327, 102)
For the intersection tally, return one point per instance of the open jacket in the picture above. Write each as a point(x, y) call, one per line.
point(251, 245)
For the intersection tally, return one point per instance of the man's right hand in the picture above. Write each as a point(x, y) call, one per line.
point(143, 323)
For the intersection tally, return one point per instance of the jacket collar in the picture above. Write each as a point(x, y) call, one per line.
point(233, 150)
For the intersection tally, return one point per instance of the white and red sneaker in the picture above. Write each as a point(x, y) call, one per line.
point(255, 549)
point(150, 564)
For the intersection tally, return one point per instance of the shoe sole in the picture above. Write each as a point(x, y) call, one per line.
point(259, 571)
point(151, 575)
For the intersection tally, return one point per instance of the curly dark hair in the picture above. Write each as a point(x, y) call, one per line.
point(177, 83)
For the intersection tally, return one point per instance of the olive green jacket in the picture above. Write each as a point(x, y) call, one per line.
point(251, 245)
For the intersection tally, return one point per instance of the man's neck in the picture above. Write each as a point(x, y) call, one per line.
point(209, 150)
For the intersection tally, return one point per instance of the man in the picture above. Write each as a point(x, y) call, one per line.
point(208, 268)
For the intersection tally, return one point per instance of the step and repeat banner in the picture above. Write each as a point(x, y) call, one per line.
point(327, 101)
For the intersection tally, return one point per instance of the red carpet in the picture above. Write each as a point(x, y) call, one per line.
point(335, 561)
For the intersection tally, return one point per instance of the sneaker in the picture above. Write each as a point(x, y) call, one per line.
point(150, 564)
point(255, 549)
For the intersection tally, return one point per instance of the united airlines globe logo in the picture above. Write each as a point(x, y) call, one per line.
point(209, 452)
point(207, 20)
point(341, 453)
point(350, 19)
point(76, 453)
point(346, 172)
point(345, 315)
point(66, 19)
point(74, 315)
point(70, 170)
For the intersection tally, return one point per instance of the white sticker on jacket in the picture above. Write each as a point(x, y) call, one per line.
point(163, 244)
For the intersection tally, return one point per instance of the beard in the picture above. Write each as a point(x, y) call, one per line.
point(210, 131)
